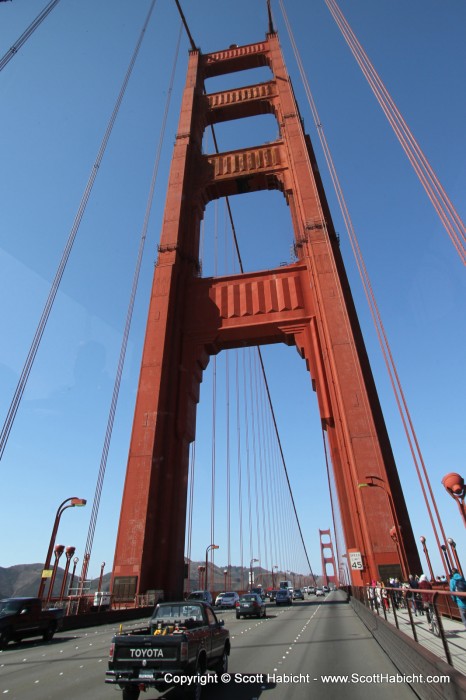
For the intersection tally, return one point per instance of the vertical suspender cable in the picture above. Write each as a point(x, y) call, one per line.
point(239, 463)
point(254, 452)
point(214, 423)
point(248, 464)
point(227, 389)
point(192, 465)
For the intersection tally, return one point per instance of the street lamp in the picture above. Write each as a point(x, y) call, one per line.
point(452, 544)
point(200, 570)
point(75, 561)
point(275, 566)
point(211, 546)
point(102, 567)
point(46, 573)
point(444, 549)
point(58, 551)
point(426, 554)
point(455, 486)
point(250, 572)
point(396, 536)
point(69, 551)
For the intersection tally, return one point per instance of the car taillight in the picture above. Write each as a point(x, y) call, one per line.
point(112, 650)
point(237, 604)
point(184, 651)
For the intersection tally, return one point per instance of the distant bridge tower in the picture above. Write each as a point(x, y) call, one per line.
point(307, 304)
point(333, 578)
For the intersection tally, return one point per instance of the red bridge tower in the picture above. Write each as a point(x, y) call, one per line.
point(307, 304)
point(333, 578)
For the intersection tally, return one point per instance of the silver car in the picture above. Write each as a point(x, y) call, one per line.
point(227, 600)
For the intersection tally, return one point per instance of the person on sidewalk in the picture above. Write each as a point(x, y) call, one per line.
point(426, 598)
point(410, 596)
point(458, 584)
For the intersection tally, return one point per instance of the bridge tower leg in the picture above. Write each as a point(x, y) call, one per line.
point(307, 305)
point(333, 578)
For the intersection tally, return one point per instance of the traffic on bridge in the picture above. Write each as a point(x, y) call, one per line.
point(294, 652)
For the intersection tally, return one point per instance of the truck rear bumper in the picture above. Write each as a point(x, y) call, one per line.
point(144, 677)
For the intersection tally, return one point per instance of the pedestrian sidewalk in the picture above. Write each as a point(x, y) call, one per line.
point(455, 636)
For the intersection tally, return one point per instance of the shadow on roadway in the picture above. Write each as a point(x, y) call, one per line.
point(309, 604)
point(242, 686)
point(31, 643)
point(318, 601)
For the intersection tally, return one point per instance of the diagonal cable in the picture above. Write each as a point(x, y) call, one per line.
point(13, 50)
point(19, 391)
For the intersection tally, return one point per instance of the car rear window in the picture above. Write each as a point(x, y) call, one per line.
point(178, 611)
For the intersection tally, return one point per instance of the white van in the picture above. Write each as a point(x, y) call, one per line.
point(102, 600)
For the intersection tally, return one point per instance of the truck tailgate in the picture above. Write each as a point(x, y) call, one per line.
point(130, 651)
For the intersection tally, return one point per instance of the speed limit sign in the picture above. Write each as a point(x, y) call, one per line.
point(356, 560)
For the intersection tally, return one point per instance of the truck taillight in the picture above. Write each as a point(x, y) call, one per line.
point(184, 651)
point(112, 650)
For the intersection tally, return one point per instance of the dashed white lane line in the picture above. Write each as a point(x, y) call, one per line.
point(290, 648)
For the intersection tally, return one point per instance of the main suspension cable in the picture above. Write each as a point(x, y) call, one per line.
point(445, 209)
point(13, 50)
point(8, 424)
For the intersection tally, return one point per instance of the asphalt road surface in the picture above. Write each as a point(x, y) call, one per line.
point(287, 655)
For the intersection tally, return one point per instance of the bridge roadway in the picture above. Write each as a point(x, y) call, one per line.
point(308, 640)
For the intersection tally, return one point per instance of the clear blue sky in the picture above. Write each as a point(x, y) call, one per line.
point(56, 97)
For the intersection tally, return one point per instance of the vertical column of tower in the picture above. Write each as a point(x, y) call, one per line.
point(150, 543)
point(356, 433)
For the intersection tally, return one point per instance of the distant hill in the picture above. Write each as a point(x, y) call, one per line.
point(237, 578)
point(24, 579)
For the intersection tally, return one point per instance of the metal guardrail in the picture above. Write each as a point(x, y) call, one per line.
point(435, 603)
point(80, 603)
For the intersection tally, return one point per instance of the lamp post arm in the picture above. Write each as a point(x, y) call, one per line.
point(62, 507)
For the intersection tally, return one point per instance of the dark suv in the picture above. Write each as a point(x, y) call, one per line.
point(206, 596)
point(250, 605)
point(260, 591)
point(283, 597)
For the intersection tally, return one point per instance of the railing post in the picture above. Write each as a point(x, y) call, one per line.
point(441, 630)
point(410, 613)
point(393, 597)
